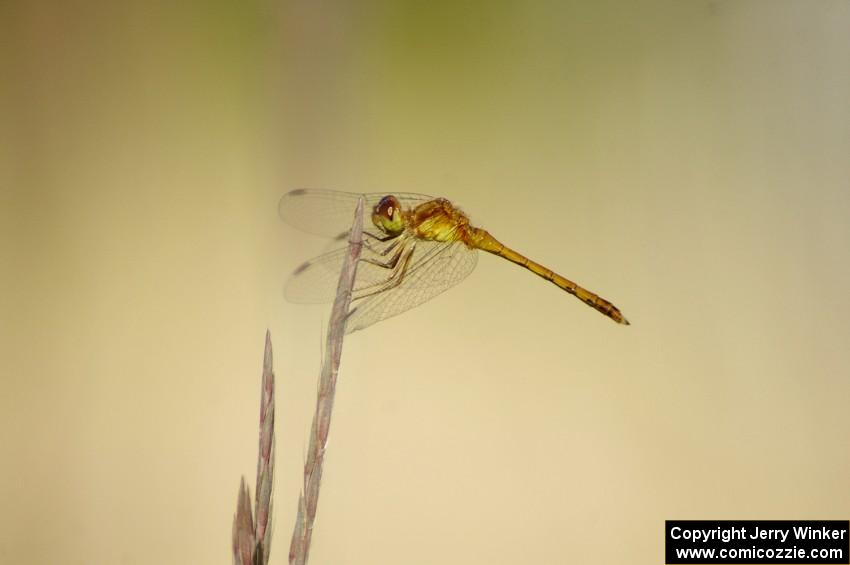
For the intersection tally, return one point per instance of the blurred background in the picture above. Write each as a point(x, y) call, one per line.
point(687, 160)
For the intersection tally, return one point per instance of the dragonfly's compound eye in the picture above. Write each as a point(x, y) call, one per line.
point(387, 207)
point(387, 215)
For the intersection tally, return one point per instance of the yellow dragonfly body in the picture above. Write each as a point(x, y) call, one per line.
point(418, 246)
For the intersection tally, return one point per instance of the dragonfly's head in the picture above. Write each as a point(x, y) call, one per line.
point(387, 216)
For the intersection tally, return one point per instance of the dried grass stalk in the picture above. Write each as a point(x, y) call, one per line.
point(243, 528)
point(252, 534)
point(302, 534)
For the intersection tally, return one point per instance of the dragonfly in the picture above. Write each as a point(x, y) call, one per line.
point(415, 247)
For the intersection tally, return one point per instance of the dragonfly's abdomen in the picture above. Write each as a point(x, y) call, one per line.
point(481, 239)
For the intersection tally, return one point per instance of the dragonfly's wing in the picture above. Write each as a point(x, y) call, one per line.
point(330, 213)
point(439, 266)
point(433, 268)
point(316, 280)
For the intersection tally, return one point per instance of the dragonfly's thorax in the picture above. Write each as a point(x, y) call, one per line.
point(437, 220)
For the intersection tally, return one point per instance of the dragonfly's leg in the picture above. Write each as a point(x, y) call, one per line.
point(392, 246)
point(381, 238)
point(369, 245)
point(391, 263)
point(376, 238)
point(395, 279)
point(382, 252)
point(396, 246)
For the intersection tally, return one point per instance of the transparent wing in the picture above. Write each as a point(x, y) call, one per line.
point(315, 281)
point(441, 266)
point(434, 267)
point(330, 213)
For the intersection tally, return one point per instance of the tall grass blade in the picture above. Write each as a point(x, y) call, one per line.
point(299, 549)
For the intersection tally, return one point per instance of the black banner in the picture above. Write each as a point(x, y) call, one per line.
point(757, 541)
